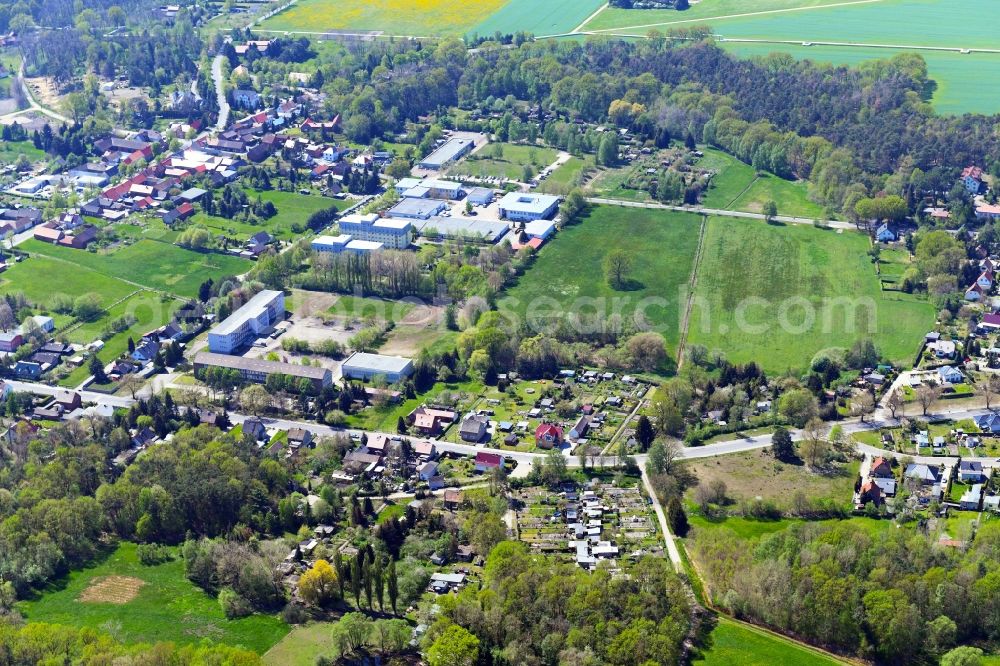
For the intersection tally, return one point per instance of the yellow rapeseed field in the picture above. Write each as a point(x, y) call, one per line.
point(395, 17)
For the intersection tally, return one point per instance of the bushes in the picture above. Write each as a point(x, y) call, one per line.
point(233, 605)
point(151, 554)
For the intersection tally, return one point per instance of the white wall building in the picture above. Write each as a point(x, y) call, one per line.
point(249, 322)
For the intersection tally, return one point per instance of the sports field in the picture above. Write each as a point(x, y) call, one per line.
point(548, 17)
point(777, 294)
point(567, 279)
point(418, 18)
point(147, 604)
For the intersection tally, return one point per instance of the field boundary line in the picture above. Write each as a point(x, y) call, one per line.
point(692, 286)
point(590, 18)
point(78, 323)
point(732, 16)
point(745, 190)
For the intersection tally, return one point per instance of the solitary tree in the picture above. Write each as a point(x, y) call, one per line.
point(863, 404)
point(255, 399)
point(617, 265)
point(644, 432)
point(927, 395)
point(318, 585)
point(770, 210)
point(895, 400)
point(781, 444)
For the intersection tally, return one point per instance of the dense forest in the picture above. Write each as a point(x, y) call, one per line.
point(888, 594)
point(533, 611)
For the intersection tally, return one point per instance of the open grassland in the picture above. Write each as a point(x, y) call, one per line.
point(360, 307)
point(303, 644)
point(777, 294)
point(566, 177)
point(732, 178)
point(164, 605)
point(40, 278)
point(149, 264)
point(567, 279)
point(790, 196)
point(417, 18)
point(11, 150)
point(293, 208)
point(552, 17)
point(958, 77)
point(758, 474)
point(738, 644)
point(510, 164)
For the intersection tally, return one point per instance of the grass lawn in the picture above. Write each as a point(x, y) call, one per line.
point(731, 180)
point(151, 264)
point(789, 195)
point(509, 165)
point(394, 17)
point(610, 184)
point(35, 277)
point(758, 474)
point(385, 419)
point(295, 207)
point(739, 644)
point(11, 150)
point(166, 606)
point(301, 645)
point(777, 294)
point(565, 178)
point(567, 280)
point(359, 307)
point(540, 18)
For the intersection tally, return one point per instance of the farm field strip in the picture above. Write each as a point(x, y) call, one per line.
point(763, 12)
point(398, 17)
point(553, 17)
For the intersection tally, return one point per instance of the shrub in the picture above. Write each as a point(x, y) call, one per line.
point(233, 605)
point(151, 554)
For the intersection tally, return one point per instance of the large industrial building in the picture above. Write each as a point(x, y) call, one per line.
point(361, 365)
point(251, 321)
point(258, 370)
point(450, 151)
point(394, 234)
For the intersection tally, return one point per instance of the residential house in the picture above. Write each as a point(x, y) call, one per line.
point(548, 435)
point(10, 340)
point(580, 428)
point(870, 492)
point(988, 423)
point(246, 99)
point(146, 351)
point(28, 369)
point(423, 449)
point(975, 293)
point(255, 428)
point(487, 461)
point(972, 179)
point(970, 471)
point(473, 428)
point(942, 348)
point(881, 468)
point(925, 474)
point(950, 375)
point(299, 437)
point(426, 470)
point(452, 498)
point(884, 234)
point(69, 400)
point(430, 421)
point(971, 498)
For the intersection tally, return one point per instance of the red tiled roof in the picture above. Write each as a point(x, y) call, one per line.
point(488, 459)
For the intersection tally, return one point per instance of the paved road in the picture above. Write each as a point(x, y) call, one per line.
point(33, 105)
point(220, 92)
point(833, 224)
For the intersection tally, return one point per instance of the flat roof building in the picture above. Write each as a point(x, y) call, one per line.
point(364, 366)
point(333, 244)
point(417, 209)
point(396, 234)
point(458, 227)
point(249, 322)
point(258, 370)
point(481, 196)
point(526, 207)
point(450, 151)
